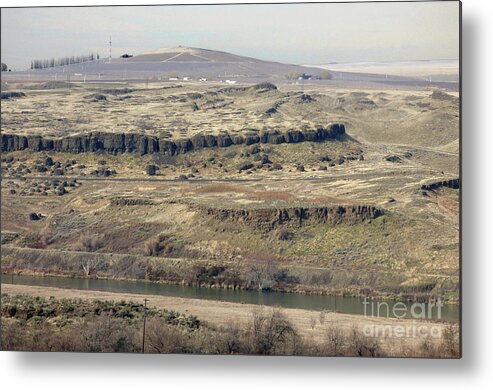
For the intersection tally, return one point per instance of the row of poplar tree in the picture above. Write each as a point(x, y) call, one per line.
point(51, 63)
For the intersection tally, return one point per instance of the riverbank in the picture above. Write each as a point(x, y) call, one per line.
point(310, 324)
point(231, 275)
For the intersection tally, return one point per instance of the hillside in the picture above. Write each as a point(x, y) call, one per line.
point(177, 62)
point(197, 63)
point(189, 54)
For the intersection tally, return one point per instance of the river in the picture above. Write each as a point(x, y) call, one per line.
point(349, 305)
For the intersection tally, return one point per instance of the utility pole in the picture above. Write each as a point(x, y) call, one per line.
point(144, 330)
point(110, 52)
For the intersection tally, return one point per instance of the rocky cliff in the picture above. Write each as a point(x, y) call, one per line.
point(270, 218)
point(130, 202)
point(116, 143)
point(451, 183)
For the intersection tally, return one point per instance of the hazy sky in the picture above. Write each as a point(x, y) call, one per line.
point(292, 33)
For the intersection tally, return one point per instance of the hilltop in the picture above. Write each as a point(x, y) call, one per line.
point(183, 54)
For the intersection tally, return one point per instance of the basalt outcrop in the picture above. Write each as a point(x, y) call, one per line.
point(130, 202)
point(451, 183)
point(116, 143)
point(271, 218)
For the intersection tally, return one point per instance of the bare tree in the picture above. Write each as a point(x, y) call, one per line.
point(91, 264)
point(261, 270)
point(335, 340)
point(272, 333)
point(233, 337)
point(313, 322)
point(360, 345)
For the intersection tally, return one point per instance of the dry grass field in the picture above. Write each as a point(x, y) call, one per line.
point(373, 212)
point(177, 110)
point(396, 141)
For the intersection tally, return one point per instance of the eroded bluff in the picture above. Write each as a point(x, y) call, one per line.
point(451, 183)
point(116, 143)
point(271, 218)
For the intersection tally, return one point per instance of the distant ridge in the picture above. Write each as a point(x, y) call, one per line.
point(191, 62)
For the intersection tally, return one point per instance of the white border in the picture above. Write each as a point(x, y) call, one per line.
point(474, 370)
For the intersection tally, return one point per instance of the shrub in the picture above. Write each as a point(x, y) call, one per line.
point(90, 243)
point(98, 97)
point(283, 234)
point(245, 166)
point(254, 149)
point(325, 75)
point(153, 247)
point(164, 338)
point(38, 245)
point(265, 159)
point(265, 85)
point(151, 170)
point(34, 216)
point(293, 75)
point(12, 94)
